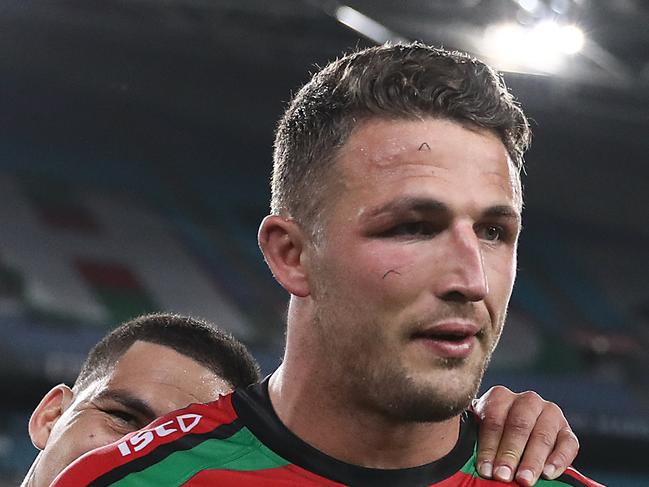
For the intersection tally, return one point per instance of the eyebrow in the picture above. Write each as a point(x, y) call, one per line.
point(429, 205)
point(502, 211)
point(127, 399)
point(423, 205)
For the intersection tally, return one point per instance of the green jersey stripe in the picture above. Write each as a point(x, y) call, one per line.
point(469, 467)
point(184, 443)
point(242, 452)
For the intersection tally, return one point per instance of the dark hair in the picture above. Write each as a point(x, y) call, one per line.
point(199, 340)
point(404, 81)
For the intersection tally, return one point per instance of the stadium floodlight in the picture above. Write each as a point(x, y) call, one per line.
point(365, 25)
point(529, 5)
point(571, 39)
point(542, 47)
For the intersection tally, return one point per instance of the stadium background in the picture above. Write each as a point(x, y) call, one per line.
point(135, 149)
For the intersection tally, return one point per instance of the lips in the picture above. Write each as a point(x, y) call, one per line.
point(449, 339)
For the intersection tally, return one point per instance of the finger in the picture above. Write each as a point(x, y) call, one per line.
point(540, 444)
point(519, 425)
point(564, 453)
point(492, 409)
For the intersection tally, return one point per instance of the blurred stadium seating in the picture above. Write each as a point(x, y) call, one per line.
point(135, 149)
point(553, 343)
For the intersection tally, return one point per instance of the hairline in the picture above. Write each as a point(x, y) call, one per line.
point(111, 361)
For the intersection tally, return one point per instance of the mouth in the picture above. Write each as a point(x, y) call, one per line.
point(449, 339)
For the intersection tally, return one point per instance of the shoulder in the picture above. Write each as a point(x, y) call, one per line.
point(183, 429)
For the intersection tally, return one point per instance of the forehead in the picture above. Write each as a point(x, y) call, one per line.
point(162, 377)
point(425, 151)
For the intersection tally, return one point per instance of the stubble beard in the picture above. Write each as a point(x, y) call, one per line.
point(389, 390)
point(405, 399)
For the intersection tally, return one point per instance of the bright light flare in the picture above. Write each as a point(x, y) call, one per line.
point(542, 47)
point(529, 5)
point(572, 39)
point(365, 25)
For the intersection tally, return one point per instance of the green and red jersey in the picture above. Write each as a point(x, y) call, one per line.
point(239, 441)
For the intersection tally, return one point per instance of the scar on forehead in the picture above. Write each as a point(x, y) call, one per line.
point(424, 146)
point(390, 272)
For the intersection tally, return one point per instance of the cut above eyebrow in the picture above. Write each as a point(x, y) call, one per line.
point(127, 399)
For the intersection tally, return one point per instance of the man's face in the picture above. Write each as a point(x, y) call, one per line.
point(415, 264)
point(148, 381)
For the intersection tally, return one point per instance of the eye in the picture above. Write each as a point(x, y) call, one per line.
point(123, 416)
point(413, 228)
point(491, 233)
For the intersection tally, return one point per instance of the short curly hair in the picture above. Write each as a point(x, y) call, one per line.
point(404, 81)
point(199, 340)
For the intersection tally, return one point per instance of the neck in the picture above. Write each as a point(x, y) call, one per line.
point(28, 481)
point(303, 390)
point(354, 436)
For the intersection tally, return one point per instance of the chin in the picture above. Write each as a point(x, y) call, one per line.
point(450, 392)
point(430, 408)
point(420, 401)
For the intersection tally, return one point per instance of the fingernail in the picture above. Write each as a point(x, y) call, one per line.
point(527, 476)
point(503, 473)
point(549, 470)
point(485, 470)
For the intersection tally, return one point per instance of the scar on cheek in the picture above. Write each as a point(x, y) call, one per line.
point(424, 146)
point(391, 271)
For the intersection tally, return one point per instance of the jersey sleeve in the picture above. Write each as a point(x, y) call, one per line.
point(177, 430)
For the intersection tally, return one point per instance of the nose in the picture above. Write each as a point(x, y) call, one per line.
point(463, 277)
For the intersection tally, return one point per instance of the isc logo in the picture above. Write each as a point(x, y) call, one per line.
point(184, 423)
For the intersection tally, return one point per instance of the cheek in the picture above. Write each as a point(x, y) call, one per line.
point(501, 275)
point(385, 272)
point(95, 431)
point(91, 437)
point(504, 270)
point(73, 441)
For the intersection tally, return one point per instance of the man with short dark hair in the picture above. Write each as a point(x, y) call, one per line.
point(143, 369)
point(396, 211)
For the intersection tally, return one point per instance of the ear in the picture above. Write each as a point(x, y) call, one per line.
point(47, 413)
point(282, 241)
